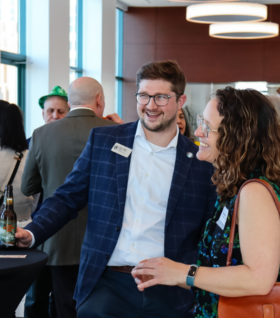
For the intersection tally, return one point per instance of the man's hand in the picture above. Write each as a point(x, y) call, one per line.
point(115, 118)
point(24, 238)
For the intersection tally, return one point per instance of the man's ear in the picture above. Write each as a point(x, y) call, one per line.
point(43, 113)
point(99, 100)
point(181, 101)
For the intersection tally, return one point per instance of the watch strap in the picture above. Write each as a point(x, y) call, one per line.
point(190, 279)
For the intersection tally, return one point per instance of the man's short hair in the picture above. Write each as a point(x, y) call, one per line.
point(167, 70)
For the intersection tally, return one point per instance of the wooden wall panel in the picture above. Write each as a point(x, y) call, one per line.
point(272, 62)
point(172, 28)
point(129, 112)
point(134, 56)
point(140, 26)
point(199, 62)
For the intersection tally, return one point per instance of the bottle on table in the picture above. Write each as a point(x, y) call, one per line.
point(8, 220)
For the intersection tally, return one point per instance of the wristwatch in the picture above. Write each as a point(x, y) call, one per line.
point(191, 275)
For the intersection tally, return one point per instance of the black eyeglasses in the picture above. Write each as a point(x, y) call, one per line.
point(159, 99)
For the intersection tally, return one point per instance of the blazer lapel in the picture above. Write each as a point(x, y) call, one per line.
point(181, 170)
point(126, 138)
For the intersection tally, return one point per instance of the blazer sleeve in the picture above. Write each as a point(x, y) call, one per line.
point(31, 182)
point(67, 200)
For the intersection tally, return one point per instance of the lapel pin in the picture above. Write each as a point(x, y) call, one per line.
point(189, 155)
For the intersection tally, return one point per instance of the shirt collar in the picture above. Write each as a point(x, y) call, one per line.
point(80, 108)
point(140, 132)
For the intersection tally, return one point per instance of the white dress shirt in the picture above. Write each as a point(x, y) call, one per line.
point(149, 181)
point(80, 108)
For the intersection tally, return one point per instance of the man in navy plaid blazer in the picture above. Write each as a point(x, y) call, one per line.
point(153, 201)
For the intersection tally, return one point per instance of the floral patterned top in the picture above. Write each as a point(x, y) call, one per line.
point(213, 248)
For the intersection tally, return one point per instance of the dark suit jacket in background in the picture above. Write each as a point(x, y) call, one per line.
point(54, 148)
point(100, 178)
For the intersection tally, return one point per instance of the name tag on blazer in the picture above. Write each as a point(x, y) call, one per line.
point(121, 150)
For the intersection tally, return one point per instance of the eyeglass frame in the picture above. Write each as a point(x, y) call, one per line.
point(200, 120)
point(153, 96)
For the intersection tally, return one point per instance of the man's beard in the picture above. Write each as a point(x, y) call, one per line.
point(160, 127)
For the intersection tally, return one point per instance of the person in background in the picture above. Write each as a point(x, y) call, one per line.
point(240, 135)
point(275, 101)
point(54, 149)
point(54, 106)
point(12, 139)
point(183, 123)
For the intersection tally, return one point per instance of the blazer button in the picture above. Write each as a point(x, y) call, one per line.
point(107, 256)
point(118, 228)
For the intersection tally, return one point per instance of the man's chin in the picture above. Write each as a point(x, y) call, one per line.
point(152, 127)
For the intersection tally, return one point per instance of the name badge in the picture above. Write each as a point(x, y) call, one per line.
point(223, 218)
point(121, 150)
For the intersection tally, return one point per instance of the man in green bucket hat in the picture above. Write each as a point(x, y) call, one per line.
point(54, 105)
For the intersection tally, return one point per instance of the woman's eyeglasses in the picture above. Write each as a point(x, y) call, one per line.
point(205, 128)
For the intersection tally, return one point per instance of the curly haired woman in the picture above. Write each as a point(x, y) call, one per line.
point(239, 133)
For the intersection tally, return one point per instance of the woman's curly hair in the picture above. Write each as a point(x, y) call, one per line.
point(249, 139)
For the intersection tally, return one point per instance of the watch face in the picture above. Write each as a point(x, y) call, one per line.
point(192, 271)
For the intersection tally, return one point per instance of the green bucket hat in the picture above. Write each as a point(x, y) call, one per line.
point(56, 91)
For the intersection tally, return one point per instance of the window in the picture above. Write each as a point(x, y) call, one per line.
point(119, 61)
point(9, 26)
point(259, 86)
point(76, 38)
point(12, 45)
point(8, 83)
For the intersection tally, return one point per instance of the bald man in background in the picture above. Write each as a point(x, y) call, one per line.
point(53, 151)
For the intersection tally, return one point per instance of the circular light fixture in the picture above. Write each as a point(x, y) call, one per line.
point(246, 31)
point(226, 12)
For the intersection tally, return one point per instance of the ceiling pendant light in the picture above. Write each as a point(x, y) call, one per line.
point(226, 12)
point(246, 31)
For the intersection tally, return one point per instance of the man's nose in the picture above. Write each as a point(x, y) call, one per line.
point(152, 104)
point(55, 115)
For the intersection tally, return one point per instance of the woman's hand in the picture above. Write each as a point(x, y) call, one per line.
point(160, 271)
point(115, 118)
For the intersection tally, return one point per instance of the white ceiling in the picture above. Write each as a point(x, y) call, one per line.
point(165, 3)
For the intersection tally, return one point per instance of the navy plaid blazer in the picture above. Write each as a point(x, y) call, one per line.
point(99, 179)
